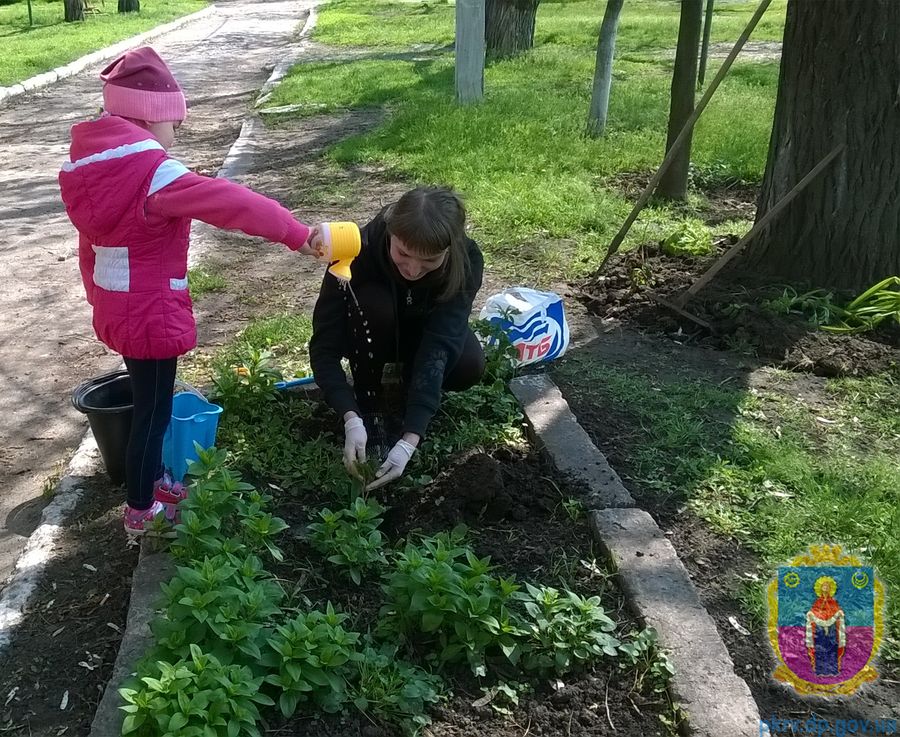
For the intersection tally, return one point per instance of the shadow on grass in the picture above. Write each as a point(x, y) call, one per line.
point(733, 460)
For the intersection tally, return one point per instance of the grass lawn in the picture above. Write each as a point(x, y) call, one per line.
point(51, 42)
point(765, 466)
point(539, 191)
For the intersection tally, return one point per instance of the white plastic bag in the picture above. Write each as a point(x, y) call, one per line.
point(534, 321)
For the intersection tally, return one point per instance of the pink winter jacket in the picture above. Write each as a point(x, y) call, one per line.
point(133, 206)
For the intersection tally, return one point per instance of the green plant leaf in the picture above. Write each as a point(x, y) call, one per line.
point(288, 703)
point(132, 723)
point(431, 621)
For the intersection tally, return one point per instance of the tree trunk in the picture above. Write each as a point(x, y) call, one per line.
point(129, 6)
point(74, 10)
point(674, 183)
point(606, 47)
point(704, 49)
point(509, 26)
point(469, 50)
point(844, 231)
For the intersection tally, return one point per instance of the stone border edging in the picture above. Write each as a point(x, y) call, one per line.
point(282, 67)
point(236, 161)
point(657, 585)
point(95, 57)
point(40, 548)
point(153, 569)
point(572, 451)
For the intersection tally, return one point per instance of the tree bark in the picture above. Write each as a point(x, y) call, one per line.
point(606, 48)
point(844, 231)
point(509, 26)
point(469, 51)
point(673, 185)
point(129, 6)
point(704, 48)
point(74, 10)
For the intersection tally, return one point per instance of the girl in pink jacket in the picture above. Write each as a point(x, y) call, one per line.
point(132, 205)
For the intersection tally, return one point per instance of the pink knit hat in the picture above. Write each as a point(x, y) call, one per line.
point(139, 85)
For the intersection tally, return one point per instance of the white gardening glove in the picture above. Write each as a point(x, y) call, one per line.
point(355, 439)
point(394, 466)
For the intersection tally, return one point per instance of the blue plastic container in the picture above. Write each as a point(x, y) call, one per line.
point(193, 420)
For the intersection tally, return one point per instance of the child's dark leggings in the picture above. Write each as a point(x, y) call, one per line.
point(374, 342)
point(152, 385)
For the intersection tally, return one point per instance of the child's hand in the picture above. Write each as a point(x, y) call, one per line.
point(306, 249)
point(315, 245)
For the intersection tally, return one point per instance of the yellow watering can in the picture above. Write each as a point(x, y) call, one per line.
point(340, 244)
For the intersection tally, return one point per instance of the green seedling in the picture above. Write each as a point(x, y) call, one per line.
point(574, 509)
point(194, 697)
point(564, 631)
point(816, 306)
point(221, 510)
point(394, 691)
point(311, 655)
point(442, 594)
point(503, 697)
point(250, 382)
point(229, 607)
point(350, 537)
point(651, 666)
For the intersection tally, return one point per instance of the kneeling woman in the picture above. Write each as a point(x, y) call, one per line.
point(409, 302)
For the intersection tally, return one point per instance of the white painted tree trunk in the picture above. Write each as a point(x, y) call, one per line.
point(469, 50)
point(606, 47)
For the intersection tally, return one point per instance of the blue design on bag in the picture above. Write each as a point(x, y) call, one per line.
point(542, 337)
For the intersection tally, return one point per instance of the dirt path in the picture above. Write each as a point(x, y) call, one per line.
point(46, 343)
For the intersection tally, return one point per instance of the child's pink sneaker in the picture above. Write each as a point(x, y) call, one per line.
point(148, 521)
point(169, 492)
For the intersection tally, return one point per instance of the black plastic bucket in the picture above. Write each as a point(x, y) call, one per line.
point(107, 402)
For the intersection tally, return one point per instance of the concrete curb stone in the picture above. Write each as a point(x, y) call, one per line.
point(153, 569)
point(558, 432)
point(716, 700)
point(655, 582)
point(237, 161)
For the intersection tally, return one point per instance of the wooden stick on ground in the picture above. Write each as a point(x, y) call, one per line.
point(681, 311)
point(679, 141)
point(707, 276)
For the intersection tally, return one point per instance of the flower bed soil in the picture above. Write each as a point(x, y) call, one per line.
point(731, 305)
point(511, 503)
point(54, 671)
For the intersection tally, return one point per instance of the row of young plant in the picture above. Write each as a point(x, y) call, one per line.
point(260, 425)
point(227, 642)
point(230, 643)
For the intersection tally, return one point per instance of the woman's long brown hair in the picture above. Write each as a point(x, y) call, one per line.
point(429, 221)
